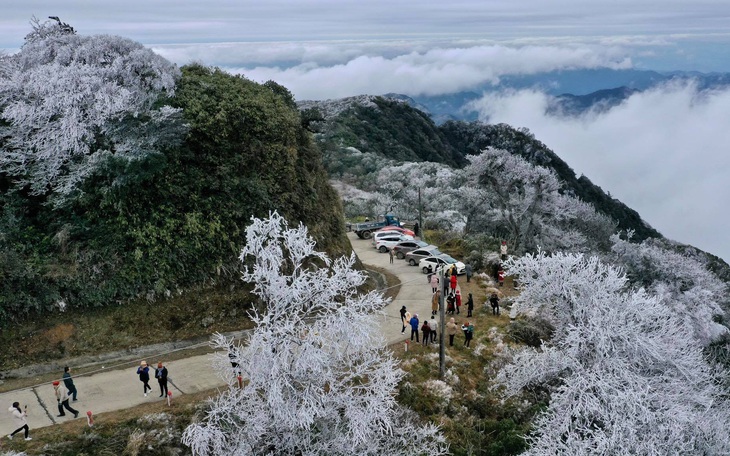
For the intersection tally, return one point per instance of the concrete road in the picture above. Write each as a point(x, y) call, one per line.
point(120, 388)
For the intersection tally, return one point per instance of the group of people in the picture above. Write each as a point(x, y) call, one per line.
point(429, 328)
point(65, 392)
point(160, 374)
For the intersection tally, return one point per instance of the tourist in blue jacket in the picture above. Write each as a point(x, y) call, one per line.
point(414, 327)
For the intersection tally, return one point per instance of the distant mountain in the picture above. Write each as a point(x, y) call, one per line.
point(576, 90)
point(599, 101)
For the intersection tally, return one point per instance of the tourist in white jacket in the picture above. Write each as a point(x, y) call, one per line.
point(20, 420)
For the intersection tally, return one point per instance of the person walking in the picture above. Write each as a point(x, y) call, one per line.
point(161, 376)
point(468, 271)
point(433, 324)
point(426, 330)
point(457, 297)
point(390, 252)
point(494, 301)
point(62, 399)
point(435, 302)
point(451, 331)
point(503, 250)
point(469, 305)
point(453, 283)
point(434, 283)
point(144, 376)
point(414, 326)
point(500, 276)
point(69, 382)
point(21, 420)
point(403, 320)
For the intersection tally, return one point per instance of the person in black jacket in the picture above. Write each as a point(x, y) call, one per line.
point(144, 376)
point(161, 376)
point(69, 382)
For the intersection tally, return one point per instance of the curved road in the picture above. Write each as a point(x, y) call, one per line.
point(117, 389)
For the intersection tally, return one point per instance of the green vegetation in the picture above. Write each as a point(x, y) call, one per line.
point(153, 228)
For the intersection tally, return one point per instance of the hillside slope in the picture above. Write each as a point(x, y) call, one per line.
point(396, 130)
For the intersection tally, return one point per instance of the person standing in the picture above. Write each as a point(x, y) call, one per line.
point(144, 376)
point(451, 331)
point(62, 399)
point(414, 326)
point(457, 297)
point(494, 301)
point(468, 271)
point(434, 283)
point(21, 420)
point(161, 376)
point(469, 305)
point(69, 382)
point(450, 304)
point(468, 329)
point(403, 320)
point(416, 229)
point(435, 302)
point(433, 324)
point(503, 250)
point(453, 283)
point(500, 276)
point(426, 333)
point(390, 252)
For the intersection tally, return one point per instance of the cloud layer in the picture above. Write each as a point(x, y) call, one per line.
point(434, 72)
point(662, 152)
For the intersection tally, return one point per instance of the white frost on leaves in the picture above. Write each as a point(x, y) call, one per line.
point(626, 375)
point(71, 102)
point(318, 379)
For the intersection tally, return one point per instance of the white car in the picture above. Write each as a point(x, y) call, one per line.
point(386, 243)
point(434, 263)
point(388, 234)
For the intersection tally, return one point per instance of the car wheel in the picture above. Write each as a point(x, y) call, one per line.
point(366, 234)
point(426, 270)
point(412, 262)
point(383, 249)
point(400, 255)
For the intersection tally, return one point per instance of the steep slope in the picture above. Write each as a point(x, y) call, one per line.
point(177, 219)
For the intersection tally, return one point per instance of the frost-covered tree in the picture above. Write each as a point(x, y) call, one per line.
point(70, 102)
point(680, 280)
point(624, 373)
point(317, 379)
point(524, 200)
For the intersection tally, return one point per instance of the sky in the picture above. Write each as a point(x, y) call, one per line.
point(663, 152)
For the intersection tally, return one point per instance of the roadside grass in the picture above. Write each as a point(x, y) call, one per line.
point(80, 332)
point(466, 403)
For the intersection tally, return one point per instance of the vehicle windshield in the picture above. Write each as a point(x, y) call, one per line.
point(447, 258)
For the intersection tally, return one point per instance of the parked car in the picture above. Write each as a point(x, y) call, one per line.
point(415, 256)
point(385, 243)
point(401, 248)
point(381, 234)
point(398, 229)
point(434, 263)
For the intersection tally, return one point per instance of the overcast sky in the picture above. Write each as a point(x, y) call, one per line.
point(664, 153)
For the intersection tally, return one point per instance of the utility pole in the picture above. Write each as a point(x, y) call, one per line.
point(420, 216)
point(442, 326)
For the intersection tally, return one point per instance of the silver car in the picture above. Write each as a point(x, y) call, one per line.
point(403, 247)
point(414, 256)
